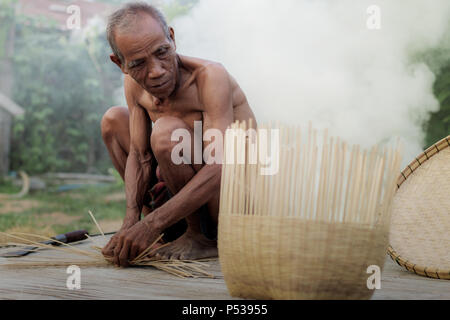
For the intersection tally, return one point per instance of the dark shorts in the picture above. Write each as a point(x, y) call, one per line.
point(207, 225)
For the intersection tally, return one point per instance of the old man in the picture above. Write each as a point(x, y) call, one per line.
point(165, 91)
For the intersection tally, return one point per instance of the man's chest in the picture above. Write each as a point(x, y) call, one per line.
point(187, 108)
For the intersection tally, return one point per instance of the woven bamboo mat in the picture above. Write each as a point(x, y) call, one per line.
point(420, 226)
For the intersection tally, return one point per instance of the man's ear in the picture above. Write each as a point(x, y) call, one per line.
point(117, 61)
point(172, 36)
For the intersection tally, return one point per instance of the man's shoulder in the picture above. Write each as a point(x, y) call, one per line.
point(206, 71)
point(214, 72)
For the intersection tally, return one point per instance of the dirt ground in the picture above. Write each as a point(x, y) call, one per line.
point(17, 205)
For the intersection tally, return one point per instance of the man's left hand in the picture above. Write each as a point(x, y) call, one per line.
point(132, 243)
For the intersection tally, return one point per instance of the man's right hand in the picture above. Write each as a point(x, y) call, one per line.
point(131, 218)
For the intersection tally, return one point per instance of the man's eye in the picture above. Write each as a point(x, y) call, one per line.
point(136, 64)
point(162, 52)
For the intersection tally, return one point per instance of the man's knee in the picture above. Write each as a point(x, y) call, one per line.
point(113, 118)
point(161, 139)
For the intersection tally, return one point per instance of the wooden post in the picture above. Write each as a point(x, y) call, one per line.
point(8, 110)
point(6, 64)
point(5, 136)
point(6, 88)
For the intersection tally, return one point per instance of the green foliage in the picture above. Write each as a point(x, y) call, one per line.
point(6, 186)
point(438, 126)
point(65, 86)
point(6, 21)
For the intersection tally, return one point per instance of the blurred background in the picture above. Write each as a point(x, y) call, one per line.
point(55, 85)
point(297, 61)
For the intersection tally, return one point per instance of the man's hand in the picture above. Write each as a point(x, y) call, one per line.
point(133, 242)
point(131, 218)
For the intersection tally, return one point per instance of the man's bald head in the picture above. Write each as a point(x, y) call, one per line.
point(125, 18)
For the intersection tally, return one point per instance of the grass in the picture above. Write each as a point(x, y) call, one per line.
point(7, 187)
point(107, 203)
point(60, 212)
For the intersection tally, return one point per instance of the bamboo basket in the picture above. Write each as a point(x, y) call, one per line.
point(310, 231)
point(420, 226)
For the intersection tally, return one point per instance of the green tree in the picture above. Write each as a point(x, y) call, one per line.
point(438, 126)
point(65, 86)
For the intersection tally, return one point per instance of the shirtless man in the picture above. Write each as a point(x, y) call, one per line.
point(171, 91)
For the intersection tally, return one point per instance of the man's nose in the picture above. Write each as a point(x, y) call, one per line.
point(156, 71)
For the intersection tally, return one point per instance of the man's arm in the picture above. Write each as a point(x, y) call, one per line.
point(216, 95)
point(138, 167)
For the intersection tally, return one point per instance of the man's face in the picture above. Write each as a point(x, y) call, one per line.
point(149, 56)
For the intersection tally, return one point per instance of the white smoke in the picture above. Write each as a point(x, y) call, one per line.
point(305, 60)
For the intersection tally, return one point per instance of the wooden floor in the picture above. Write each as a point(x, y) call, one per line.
point(148, 283)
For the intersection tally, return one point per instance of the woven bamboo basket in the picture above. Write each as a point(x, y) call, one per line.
point(310, 231)
point(420, 229)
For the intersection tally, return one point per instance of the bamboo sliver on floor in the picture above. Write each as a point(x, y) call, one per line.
point(149, 283)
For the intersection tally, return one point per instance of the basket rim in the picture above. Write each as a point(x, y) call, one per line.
point(404, 175)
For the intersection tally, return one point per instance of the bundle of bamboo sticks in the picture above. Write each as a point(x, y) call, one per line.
point(92, 257)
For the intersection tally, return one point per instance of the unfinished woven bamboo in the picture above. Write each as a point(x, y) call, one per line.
point(312, 230)
point(420, 229)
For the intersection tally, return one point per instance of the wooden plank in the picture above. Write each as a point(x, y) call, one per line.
point(149, 283)
point(104, 283)
point(398, 283)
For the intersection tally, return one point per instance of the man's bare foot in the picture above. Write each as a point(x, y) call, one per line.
point(189, 247)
